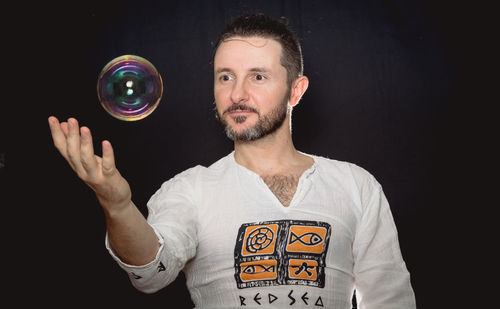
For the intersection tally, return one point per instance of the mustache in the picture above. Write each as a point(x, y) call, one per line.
point(241, 107)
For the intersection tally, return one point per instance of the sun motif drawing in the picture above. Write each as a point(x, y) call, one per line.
point(259, 239)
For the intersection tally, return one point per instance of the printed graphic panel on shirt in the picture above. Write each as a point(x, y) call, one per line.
point(259, 239)
point(303, 269)
point(259, 270)
point(309, 239)
point(281, 252)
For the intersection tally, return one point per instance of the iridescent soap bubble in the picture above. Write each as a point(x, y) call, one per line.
point(129, 88)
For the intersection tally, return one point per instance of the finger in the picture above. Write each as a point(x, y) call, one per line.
point(58, 137)
point(64, 128)
point(108, 158)
point(73, 141)
point(89, 162)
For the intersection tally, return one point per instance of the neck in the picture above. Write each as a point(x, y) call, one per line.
point(270, 155)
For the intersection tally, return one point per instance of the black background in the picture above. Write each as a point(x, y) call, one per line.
point(391, 89)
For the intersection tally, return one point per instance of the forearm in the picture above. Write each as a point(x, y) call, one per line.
point(130, 236)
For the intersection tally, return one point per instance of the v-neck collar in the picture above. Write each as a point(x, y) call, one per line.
point(303, 185)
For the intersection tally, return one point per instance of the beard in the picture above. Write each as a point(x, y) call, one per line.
point(266, 124)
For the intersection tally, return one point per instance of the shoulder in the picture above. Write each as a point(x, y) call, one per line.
point(347, 177)
point(191, 182)
point(200, 173)
point(342, 169)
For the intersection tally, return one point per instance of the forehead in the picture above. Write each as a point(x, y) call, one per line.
point(241, 52)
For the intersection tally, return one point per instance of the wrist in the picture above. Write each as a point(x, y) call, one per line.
point(116, 209)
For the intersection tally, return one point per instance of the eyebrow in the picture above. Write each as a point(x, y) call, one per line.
point(257, 69)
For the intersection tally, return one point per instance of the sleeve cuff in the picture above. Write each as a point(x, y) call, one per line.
point(137, 270)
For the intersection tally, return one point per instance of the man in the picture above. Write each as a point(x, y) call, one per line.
point(266, 225)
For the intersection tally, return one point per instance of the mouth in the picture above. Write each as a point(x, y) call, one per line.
point(239, 110)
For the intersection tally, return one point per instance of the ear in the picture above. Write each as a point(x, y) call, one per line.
point(299, 87)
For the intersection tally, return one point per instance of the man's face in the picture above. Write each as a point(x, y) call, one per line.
point(250, 87)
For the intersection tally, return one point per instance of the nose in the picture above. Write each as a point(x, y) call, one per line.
point(239, 93)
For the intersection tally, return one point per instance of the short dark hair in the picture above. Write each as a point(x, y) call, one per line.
point(263, 26)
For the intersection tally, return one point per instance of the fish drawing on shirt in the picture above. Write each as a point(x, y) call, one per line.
point(255, 269)
point(307, 239)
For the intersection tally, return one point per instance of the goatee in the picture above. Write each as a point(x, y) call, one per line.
point(266, 124)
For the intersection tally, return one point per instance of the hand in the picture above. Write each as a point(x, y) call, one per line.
point(100, 174)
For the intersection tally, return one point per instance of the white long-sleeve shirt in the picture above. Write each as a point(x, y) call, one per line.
point(240, 247)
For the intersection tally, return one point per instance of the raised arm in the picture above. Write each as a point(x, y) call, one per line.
point(130, 236)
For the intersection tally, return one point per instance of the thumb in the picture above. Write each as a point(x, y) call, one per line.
point(108, 158)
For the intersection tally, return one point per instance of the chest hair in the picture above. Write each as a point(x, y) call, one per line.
point(283, 187)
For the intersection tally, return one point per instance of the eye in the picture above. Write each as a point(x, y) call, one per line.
point(259, 77)
point(250, 269)
point(225, 78)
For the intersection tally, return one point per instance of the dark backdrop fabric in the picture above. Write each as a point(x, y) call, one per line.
point(388, 83)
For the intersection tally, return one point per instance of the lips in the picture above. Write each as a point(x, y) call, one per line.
point(239, 112)
point(240, 109)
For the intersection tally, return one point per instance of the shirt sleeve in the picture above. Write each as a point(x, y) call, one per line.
point(381, 277)
point(173, 217)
